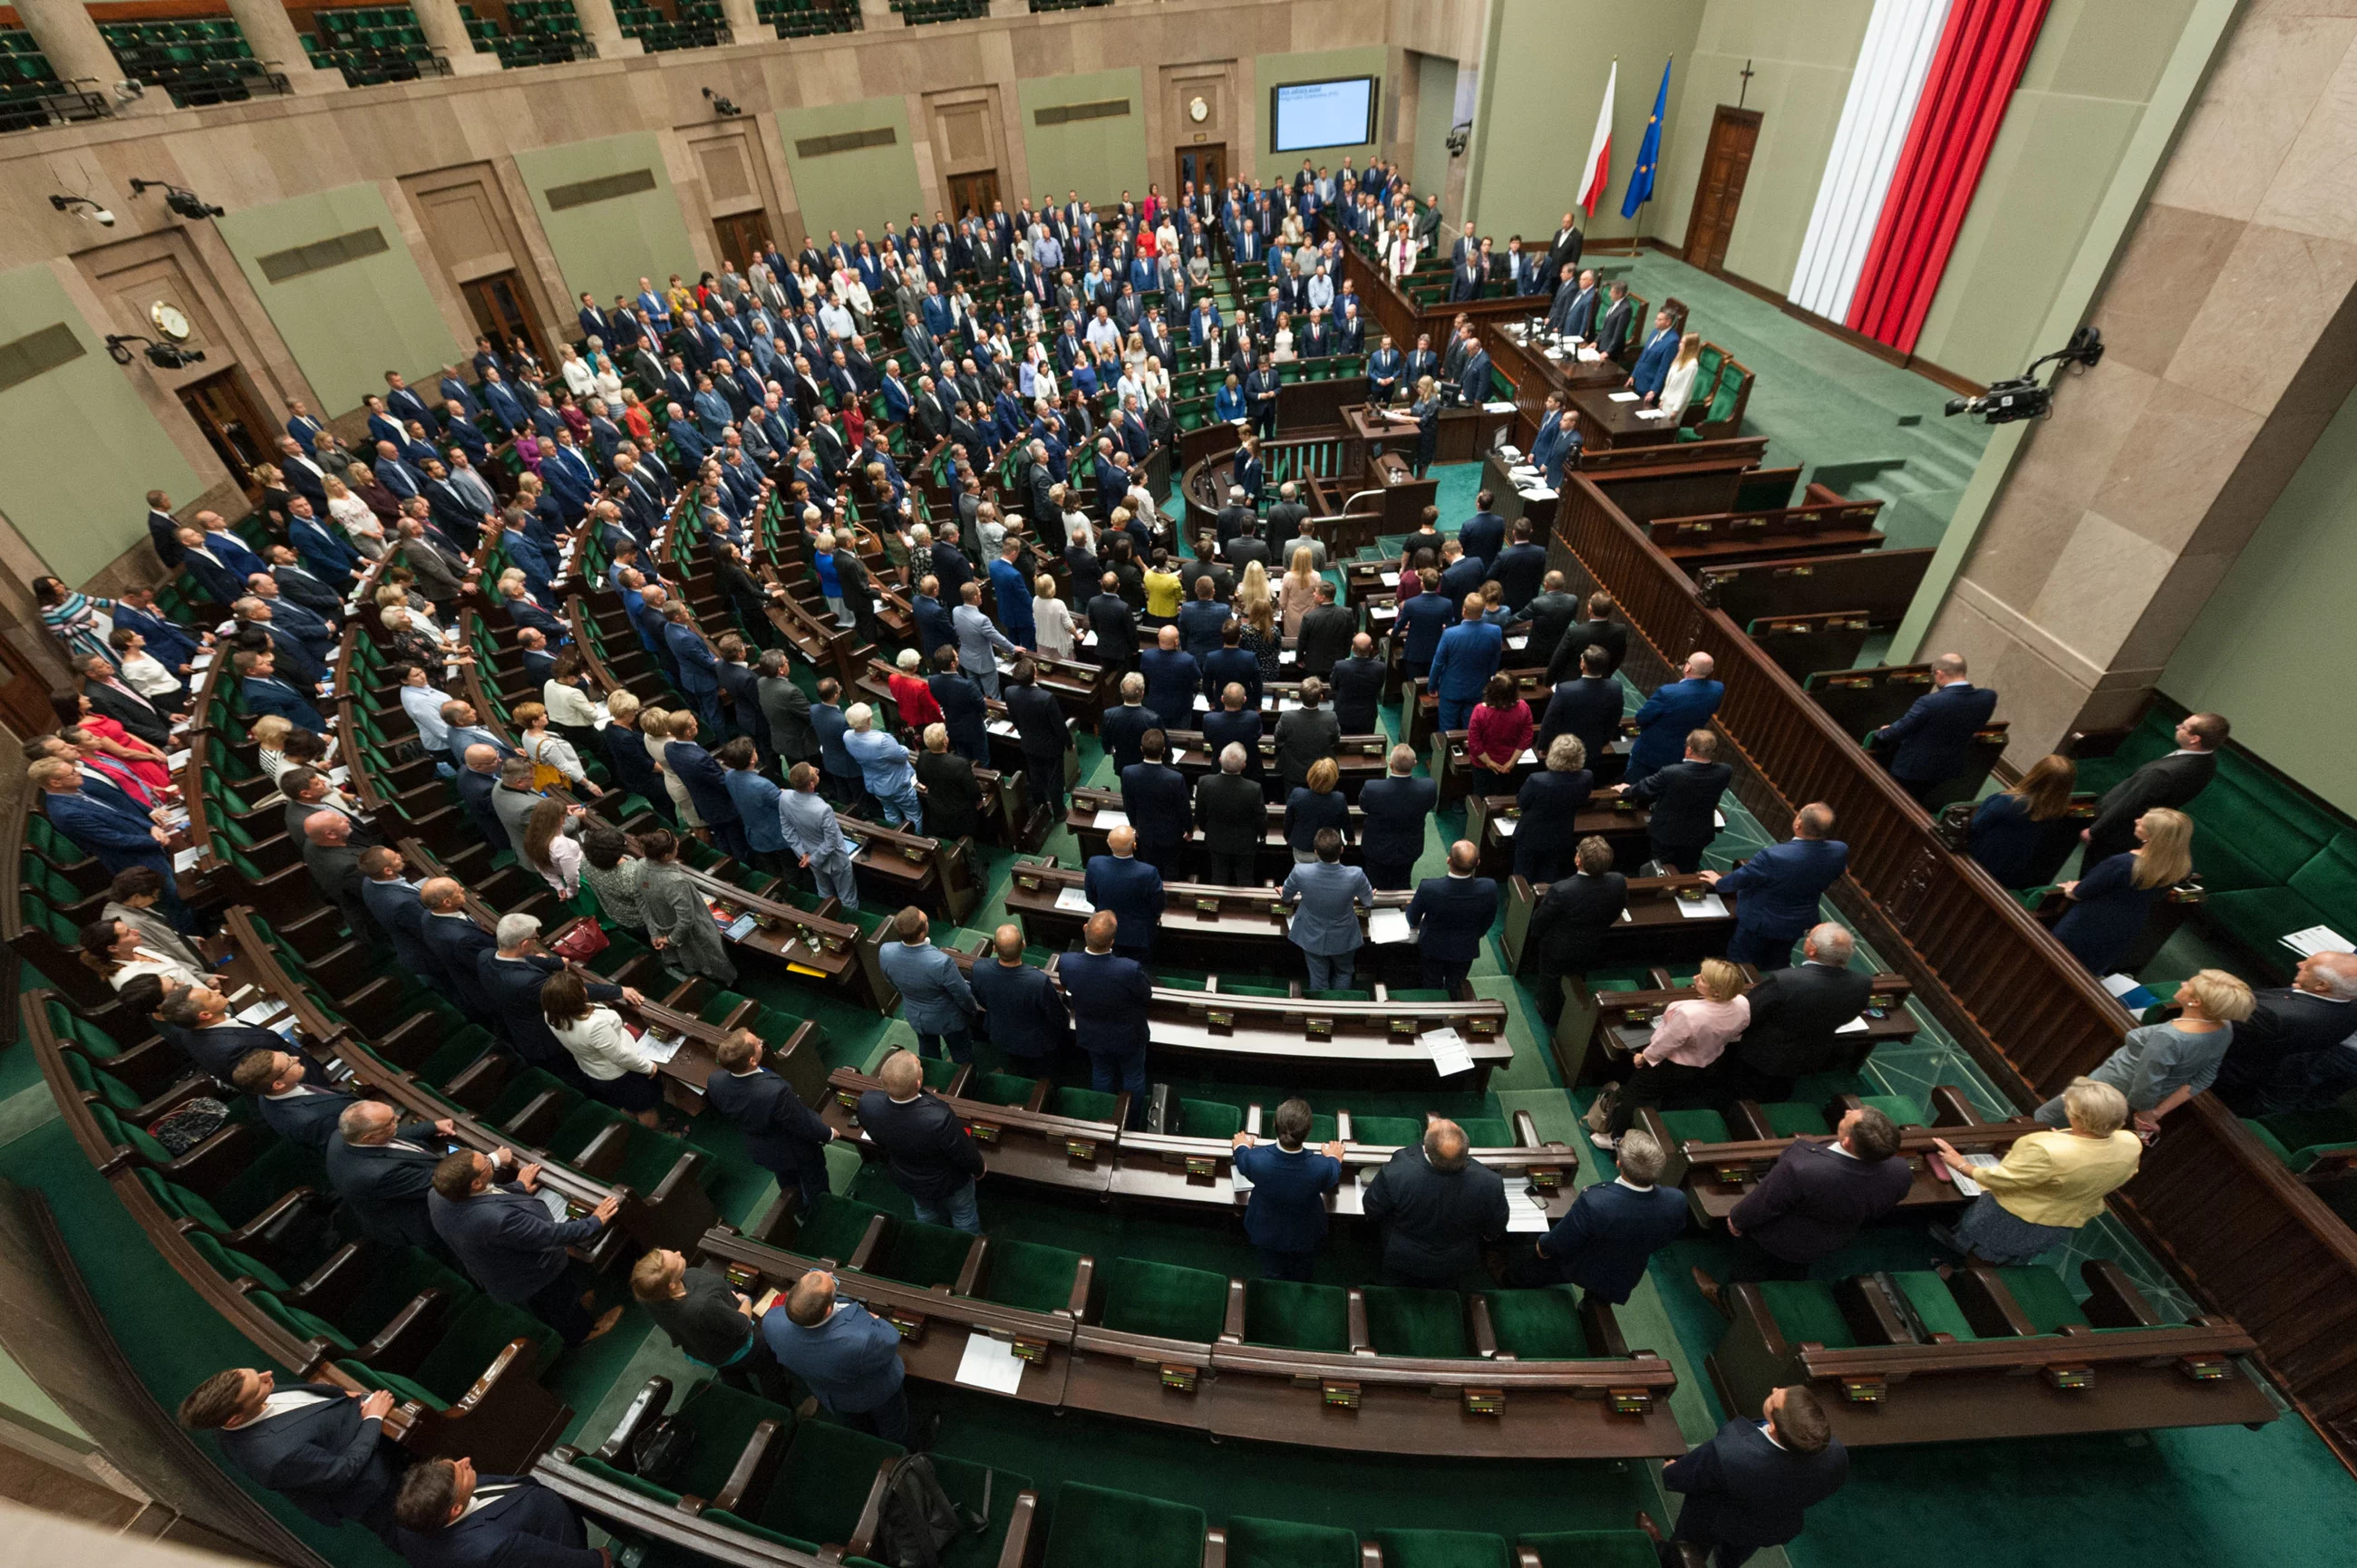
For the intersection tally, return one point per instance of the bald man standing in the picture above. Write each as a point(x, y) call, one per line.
point(1024, 1015)
point(1110, 994)
point(1438, 1207)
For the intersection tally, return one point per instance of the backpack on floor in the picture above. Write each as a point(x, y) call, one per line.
point(917, 1519)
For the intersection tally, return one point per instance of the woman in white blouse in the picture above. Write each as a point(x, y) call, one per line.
point(269, 735)
point(113, 951)
point(1156, 379)
point(1079, 528)
point(550, 849)
point(567, 697)
point(620, 1071)
point(578, 376)
point(545, 748)
point(1677, 387)
point(609, 381)
point(1281, 349)
point(654, 728)
point(1051, 622)
point(360, 524)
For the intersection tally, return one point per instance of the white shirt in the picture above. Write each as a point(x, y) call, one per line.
point(602, 1044)
point(286, 1404)
point(423, 705)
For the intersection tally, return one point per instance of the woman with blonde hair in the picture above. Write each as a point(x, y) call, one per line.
point(2161, 1066)
point(1677, 386)
point(2111, 900)
point(1252, 588)
point(2012, 836)
point(654, 729)
point(548, 752)
point(2049, 1183)
point(1690, 1036)
point(1051, 620)
point(382, 504)
point(350, 513)
point(1296, 593)
point(549, 850)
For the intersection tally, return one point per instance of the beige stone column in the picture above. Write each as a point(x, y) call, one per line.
point(875, 14)
point(744, 19)
point(2229, 315)
point(598, 26)
point(78, 54)
point(270, 34)
point(446, 32)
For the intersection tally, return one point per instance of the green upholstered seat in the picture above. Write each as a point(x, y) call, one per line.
point(1281, 1543)
point(2044, 1297)
point(1486, 1132)
point(1398, 1131)
point(1593, 1549)
point(1163, 1300)
point(1090, 1527)
point(1028, 1274)
point(1343, 994)
point(1297, 1315)
point(832, 1227)
point(1237, 988)
point(1441, 1549)
point(740, 1190)
point(1791, 1118)
point(1929, 1295)
point(1421, 995)
point(473, 1338)
point(1805, 1314)
point(822, 1483)
point(1209, 1119)
point(1538, 1325)
point(1695, 1127)
point(1083, 1104)
point(967, 1484)
point(939, 1070)
point(720, 1421)
point(1407, 1322)
point(922, 1255)
point(1904, 1110)
point(2298, 1138)
point(1000, 1089)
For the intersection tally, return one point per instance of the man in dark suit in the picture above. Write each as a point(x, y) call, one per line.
point(1933, 736)
point(1438, 1207)
point(1395, 810)
point(928, 1153)
point(1358, 687)
point(116, 701)
point(1046, 736)
point(2172, 781)
point(1586, 705)
point(1451, 915)
point(1566, 931)
point(163, 531)
point(1683, 801)
point(1120, 883)
point(1796, 1018)
point(1814, 1199)
point(1172, 678)
point(321, 1447)
point(1154, 794)
point(382, 1168)
point(1233, 816)
point(1602, 1243)
point(1612, 335)
point(1113, 625)
point(1675, 710)
point(501, 1231)
point(1326, 633)
point(198, 1022)
point(1109, 992)
point(302, 1113)
point(1779, 889)
point(1232, 664)
point(511, 975)
point(457, 943)
point(1750, 1484)
point(1285, 1218)
point(782, 1136)
point(1519, 569)
point(848, 1357)
point(2277, 1060)
point(1121, 730)
point(1484, 534)
point(450, 1517)
point(1024, 1015)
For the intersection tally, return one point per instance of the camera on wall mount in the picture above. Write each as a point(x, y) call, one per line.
point(1460, 136)
point(721, 107)
point(74, 204)
point(2024, 396)
point(185, 202)
point(163, 356)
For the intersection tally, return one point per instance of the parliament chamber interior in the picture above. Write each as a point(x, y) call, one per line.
point(1178, 783)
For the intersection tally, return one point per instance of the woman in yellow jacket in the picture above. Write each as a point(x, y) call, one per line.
point(2050, 1184)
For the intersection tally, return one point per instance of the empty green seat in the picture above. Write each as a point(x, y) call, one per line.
point(1000, 1089)
point(1028, 1275)
point(832, 1227)
point(1695, 1127)
point(2298, 1137)
point(2044, 1297)
point(1281, 1543)
point(1538, 1325)
point(1400, 1131)
point(1904, 1110)
point(1090, 1527)
point(1083, 1104)
point(1298, 1316)
point(1209, 1119)
point(1486, 1132)
point(1401, 1321)
point(1163, 1300)
point(1934, 1303)
point(1421, 995)
point(1594, 1549)
point(1441, 1549)
point(1792, 1119)
point(922, 1255)
point(1806, 1314)
point(821, 1486)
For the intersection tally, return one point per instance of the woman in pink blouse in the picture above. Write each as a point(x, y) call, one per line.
point(1691, 1036)
point(1501, 727)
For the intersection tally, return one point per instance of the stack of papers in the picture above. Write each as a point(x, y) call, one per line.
point(1389, 926)
point(1652, 414)
point(2316, 939)
point(1001, 727)
point(1965, 1184)
point(1109, 819)
point(1527, 1215)
point(1624, 397)
point(187, 859)
point(261, 1012)
point(1709, 907)
point(1505, 405)
point(1073, 901)
point(663, 1047)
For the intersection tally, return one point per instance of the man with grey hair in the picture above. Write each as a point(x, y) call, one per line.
point(1233, 815)
point(979, 641)
point(2297, 1050)
point(1797, 1014)
point(886, 766)
point(382, 1168)
point(1603, 1241)
point(511, 974)
point(335, 865)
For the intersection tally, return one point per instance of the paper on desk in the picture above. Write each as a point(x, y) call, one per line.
point(554, 1201)
point(1527, 1215)
point(1505, 826)
point(663, 1047)
point(1966, 1186)
point(200, 663)
point(1287, 657)
point(1389, 926)
point(1448, 1050)
point(1109, 819)
point(1509, 453)
point(178, 760)
point(1002, 727)
point(2316, 939)
point(1538, 493)
point(1719, 819)
point(1088, 639)
point(1202, 703)
point(1591, 356)
point(1856, 1026)
point(1391, 579)
point(1529, 758)
point(1710, 906)
point(267, 1008)
point(1628, 917)
point(1624, 396)
point(1075, 901)
point(990, 1364)
point(1503, 405)
point(187, 859)
point(1652, 414)
point(1519, 643)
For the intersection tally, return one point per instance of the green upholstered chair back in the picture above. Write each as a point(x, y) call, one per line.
point(1162, 1299)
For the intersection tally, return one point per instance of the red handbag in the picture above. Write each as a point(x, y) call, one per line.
point(581, 941)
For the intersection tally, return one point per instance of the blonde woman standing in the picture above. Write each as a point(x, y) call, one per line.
point(1296, 595)
point(2161, 1066)
point(1691, 1034)
point(2049, 1183)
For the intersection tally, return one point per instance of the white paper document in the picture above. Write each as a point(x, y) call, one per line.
point(990, 1364)
point(1525, 1216)
point(1001, 727)
point(660, 1047)
point(1854, 1027)
point(1504, 405)
point(178, 760)
point(1719, 819)
point(1447, 1047)
point(1506, 826)
point(1710, 906)
point(1519, 643)
point(2316, 939)
point(187, 859)
point(1625, 396)
point(261, 1012)
point(1109, 819)
point(1389, 926)
point(1391, 579)
point(1652, 414)
point(1529, 758)
point(1967, 1186)
point(1074, 901)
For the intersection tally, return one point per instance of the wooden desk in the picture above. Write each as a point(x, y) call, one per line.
point(1490, 821)
point(1624, 1024)
point(1652, 931)
point(1610, 424)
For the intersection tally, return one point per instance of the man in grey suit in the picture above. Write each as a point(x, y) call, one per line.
point(979, 642)
point(934, 996)
point(1326, 897)
point(787, 709)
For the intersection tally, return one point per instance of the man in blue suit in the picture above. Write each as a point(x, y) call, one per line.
point(782, 1136)
point(1023, 1014)
point(850, 1357)
point(1558, 442)
point(1286, 1217)
point(1425, 615)
point(1750, 1484)
point(707, 786)
point(321, 1447)
point(383, 1168)
point(265, 693)
point(1473, 389)
point(458, 944)
point(1156, 796)
point(1675, 710)
point(1110, 994)
point(1172, 678)
point(1451, 915)
point(1603, 1241)
point(115, 830)
point(511, 975)
point(935, 999)
point(503, 1232)
point(1484, 534)
point(1014, 592)
point(1395, 806)
point(1468, 654)
point(1653, 367)
point(450, 1517)
point(756, 798)
point(1934, 736)
point(699, 668)
point(1130, 889)
point(301, 1113)
point(1778, 890)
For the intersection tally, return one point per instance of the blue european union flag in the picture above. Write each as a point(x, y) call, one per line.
point(1649, 156)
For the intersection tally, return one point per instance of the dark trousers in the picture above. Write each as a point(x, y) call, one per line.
point(730, 836)
point(757, 1372)
point(1664, 1083)
point(1532, 1269)
point(1763, 949)
point(1276, 1265)
point(1391, 876)
point(1722, 1555)
point(558, 1304)
point(806, 1174)
point(844, 789)
point(776, 862)
point(1754, 1261)
point(1919, 790)
point(708, 712)
point(1445, 974)
point(1685, 857)
point(1047, 777)
point(1233, 870)
point(959, 1041)
point(1425, 444)
point(1163, 856)
point(888, 1421)
point(1540, 863)
point(1121, 1069)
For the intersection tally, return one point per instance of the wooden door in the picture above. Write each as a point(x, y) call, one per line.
point(743, 236)
point(972, 193)
point(1206, 165)
point(227, 412)
point(1726, 164)
point(503, 313)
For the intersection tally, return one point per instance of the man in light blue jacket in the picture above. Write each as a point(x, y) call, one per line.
point(756, 799)
point(815, 837)
point(1326, 897)
point(934, 996)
